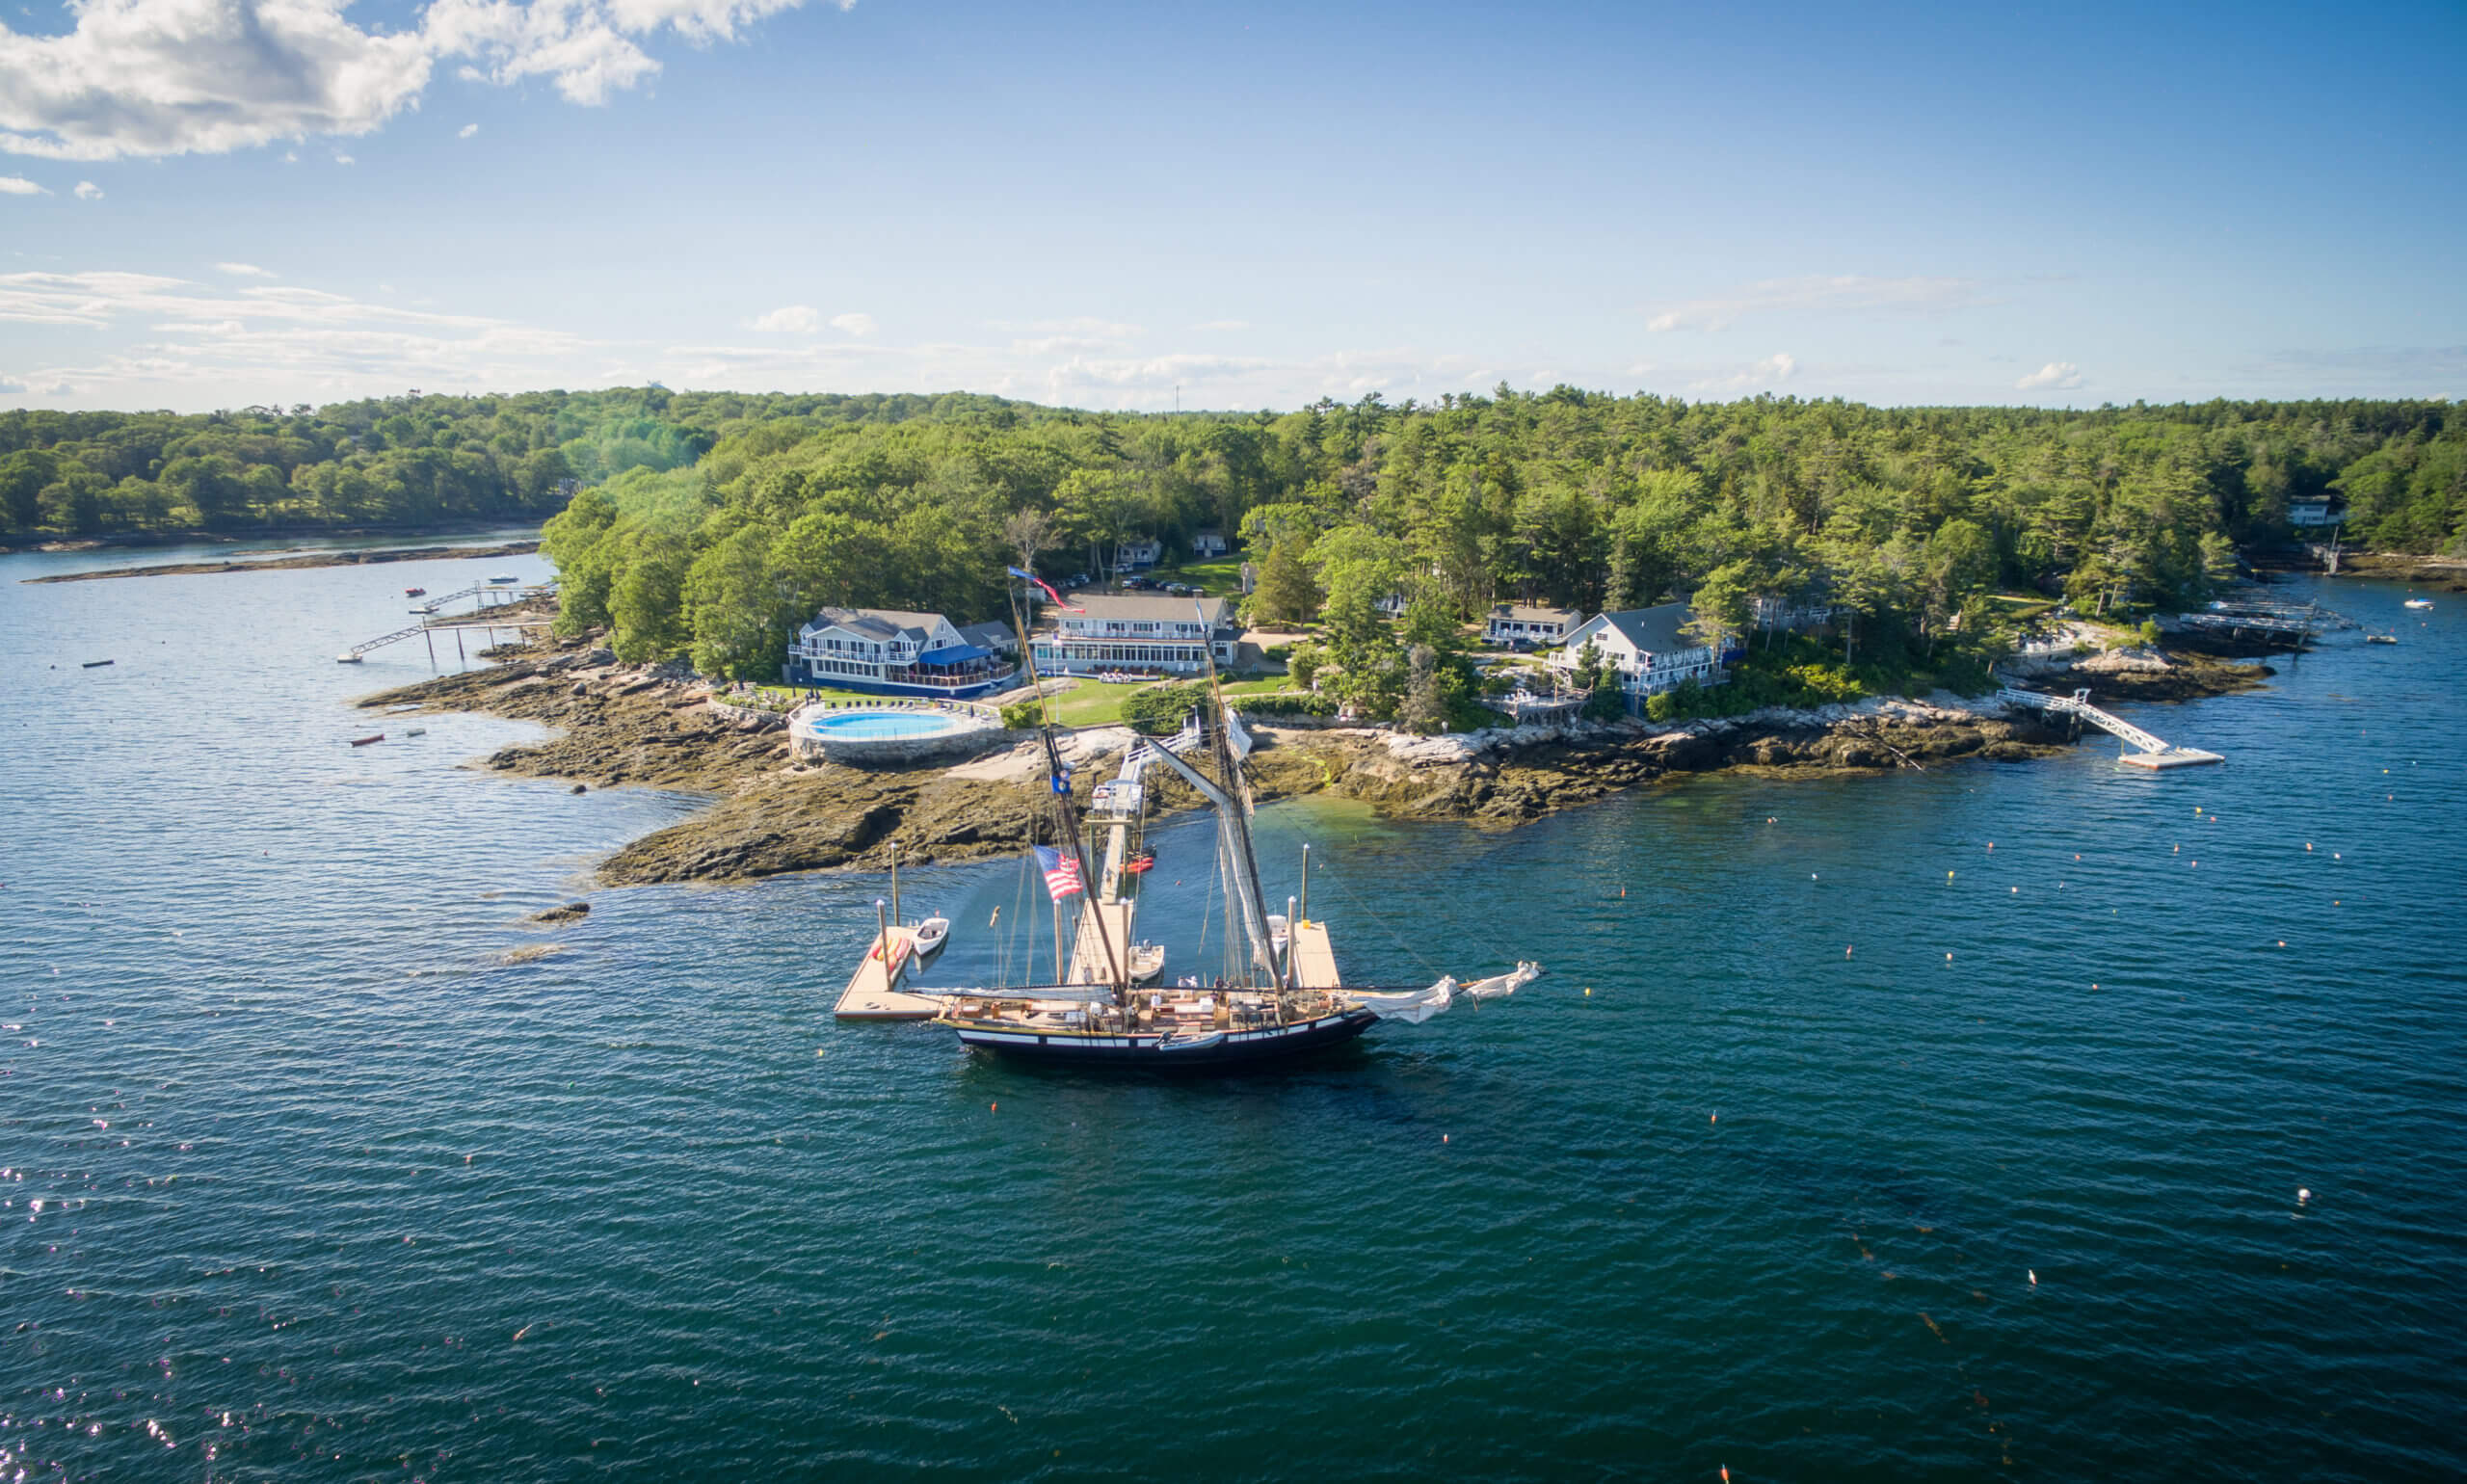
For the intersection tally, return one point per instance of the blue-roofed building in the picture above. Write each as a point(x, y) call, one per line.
point(889, 652)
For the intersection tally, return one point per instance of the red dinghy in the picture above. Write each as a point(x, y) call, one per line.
point(364, 741)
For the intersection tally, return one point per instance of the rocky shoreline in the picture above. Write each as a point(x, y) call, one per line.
point(615, 725)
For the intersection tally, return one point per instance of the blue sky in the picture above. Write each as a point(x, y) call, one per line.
point(214, 202)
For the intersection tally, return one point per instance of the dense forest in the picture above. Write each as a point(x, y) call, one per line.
point(408, 461)
point(1914, 519)
point(708, 523)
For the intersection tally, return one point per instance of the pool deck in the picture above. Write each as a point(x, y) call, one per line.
point(949, 734)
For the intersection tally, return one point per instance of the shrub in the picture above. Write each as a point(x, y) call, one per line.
point(1159, 710)
point(1021, 715)
point(1286, 704)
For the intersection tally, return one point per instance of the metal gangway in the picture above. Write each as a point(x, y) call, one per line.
point(2156, 752)
point(1119, 800)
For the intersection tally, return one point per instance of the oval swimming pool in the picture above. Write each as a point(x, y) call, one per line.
point(877, 725)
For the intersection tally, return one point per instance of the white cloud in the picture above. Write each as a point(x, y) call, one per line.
point(9, 388)
point(88, 190)
point(343, 159)
point(1818, 294)
point(159, 77)
point(19, 185)
point(801, 319)
point(467, 131)
point(1771, 371)
point(853, 323)
point(1215, 325)
point(2055, 376)
point(244, 271)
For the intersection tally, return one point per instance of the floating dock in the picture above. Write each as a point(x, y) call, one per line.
point(1090, 961)
point(2156, 754)
point(873, 992)
point(1315, 961)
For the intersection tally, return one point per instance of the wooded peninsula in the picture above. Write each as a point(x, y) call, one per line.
point(707, 524)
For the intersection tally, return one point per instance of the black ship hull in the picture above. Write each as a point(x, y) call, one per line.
point(1172, 1052)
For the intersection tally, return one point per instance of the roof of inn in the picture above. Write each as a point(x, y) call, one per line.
point(878, 623)
point(1148, 608)
point(1656, 630)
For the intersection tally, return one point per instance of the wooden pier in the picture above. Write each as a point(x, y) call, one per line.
point(487, 615)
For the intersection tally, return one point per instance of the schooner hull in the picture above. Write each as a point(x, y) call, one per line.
point(1153, 1051)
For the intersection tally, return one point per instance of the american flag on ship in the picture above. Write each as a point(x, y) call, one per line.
point(1061, 873)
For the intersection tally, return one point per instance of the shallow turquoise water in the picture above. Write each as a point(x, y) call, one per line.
point(329, 1190)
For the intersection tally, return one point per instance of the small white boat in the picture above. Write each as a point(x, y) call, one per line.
point(930, 934)
point(346, 659)
point(1190, 1040)
point(502, 580)
point(2420, 603)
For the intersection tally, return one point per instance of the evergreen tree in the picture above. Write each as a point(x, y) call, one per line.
point(1287, 593)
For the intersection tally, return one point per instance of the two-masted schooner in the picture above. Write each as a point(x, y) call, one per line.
point(1280, 993)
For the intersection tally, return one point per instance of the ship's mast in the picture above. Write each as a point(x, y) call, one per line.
point(1246, 860)
point(1066, 822)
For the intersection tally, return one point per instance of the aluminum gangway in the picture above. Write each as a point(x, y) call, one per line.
point(2156, 752)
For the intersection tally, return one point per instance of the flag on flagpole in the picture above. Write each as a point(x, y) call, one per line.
point(1061, 873)
point(1049, 588)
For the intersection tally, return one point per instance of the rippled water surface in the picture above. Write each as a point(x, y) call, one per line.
point(304, 1179)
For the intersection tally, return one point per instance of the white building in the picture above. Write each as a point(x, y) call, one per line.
point(893, 652)
point(1138, 554)
point(1524, 624)
point(1648, 648)
point(1207, 544)
point(1791, 613)
point(2317, 511)
point(1135, 631)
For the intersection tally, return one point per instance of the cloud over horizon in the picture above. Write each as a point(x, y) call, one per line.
point(166, 77)
point(2055, 376)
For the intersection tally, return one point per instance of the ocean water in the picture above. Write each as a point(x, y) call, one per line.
point(1836, 1144)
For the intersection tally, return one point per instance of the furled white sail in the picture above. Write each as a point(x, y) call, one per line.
point(1497, 985)
point(1411, 1006)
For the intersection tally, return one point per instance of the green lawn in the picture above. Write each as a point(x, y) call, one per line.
point(1091, 703)
point(1220, 578)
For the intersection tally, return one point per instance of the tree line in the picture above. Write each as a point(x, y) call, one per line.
point(406, 460)
point(1909, 520)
